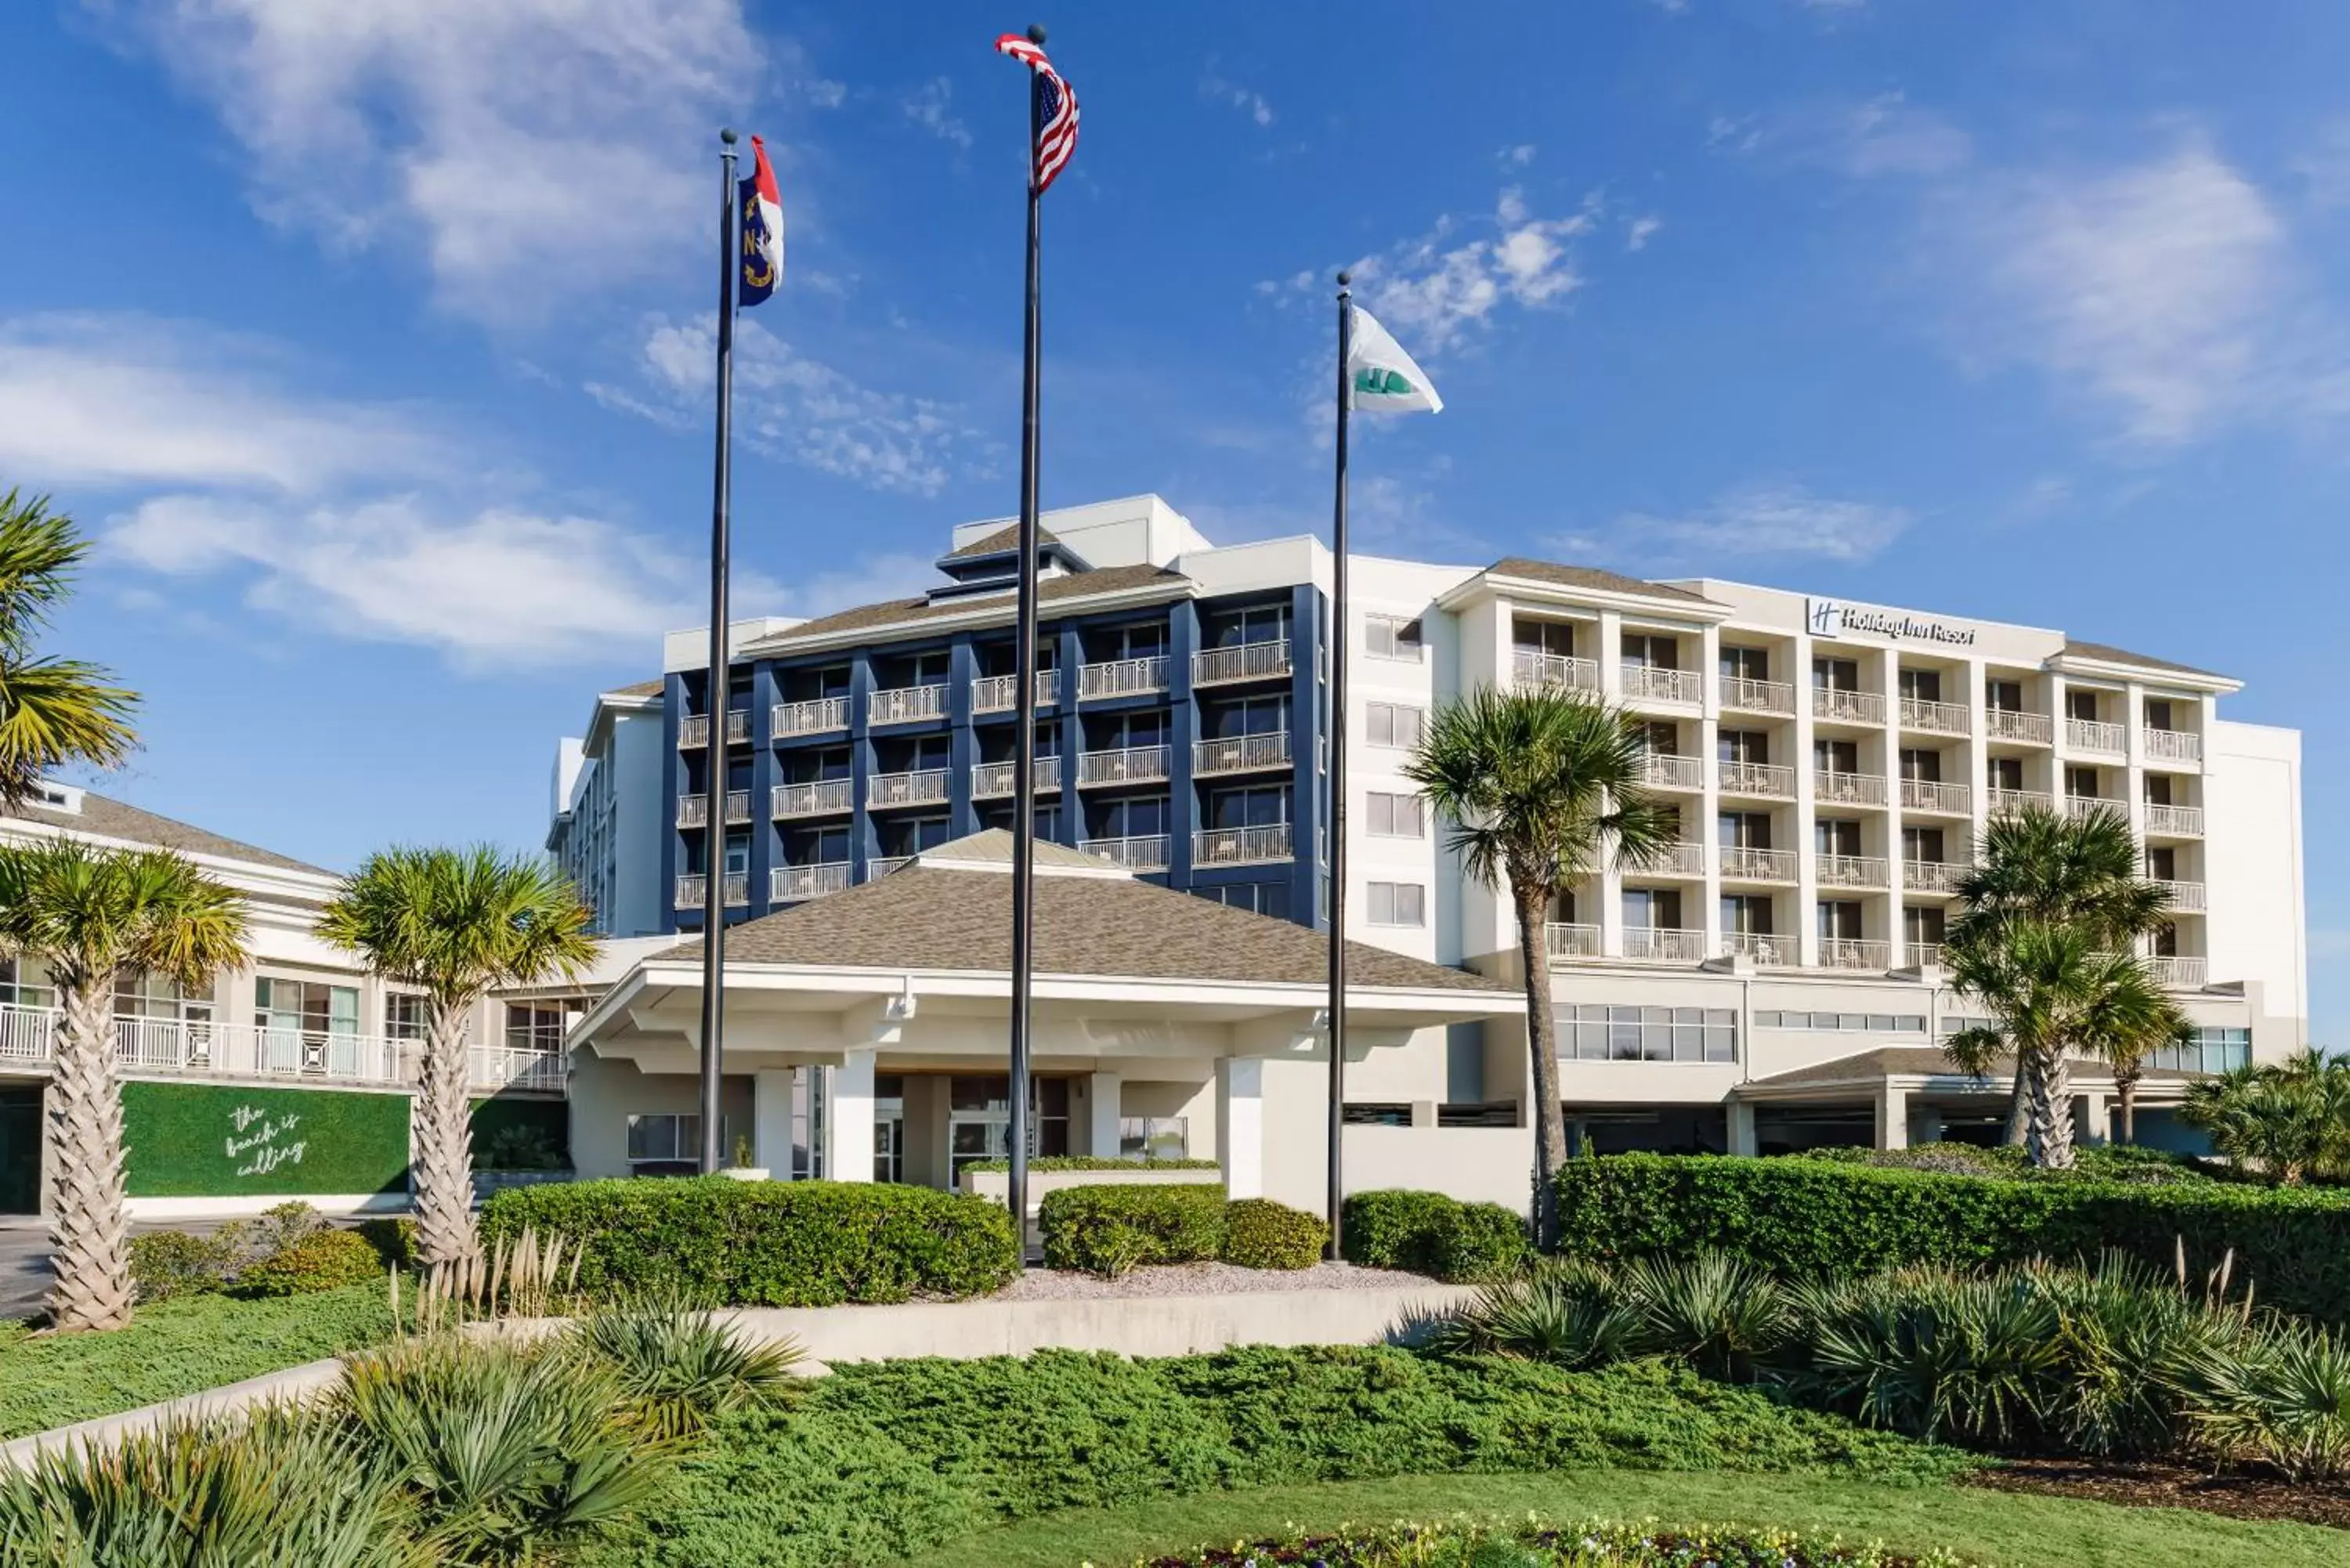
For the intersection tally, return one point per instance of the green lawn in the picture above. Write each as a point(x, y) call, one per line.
point(2000, 1530)
point(177, 1347)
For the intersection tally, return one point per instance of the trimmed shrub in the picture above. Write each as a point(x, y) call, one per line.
point(167, 1263)
point(1801, 1217)
point(767, 1243)
point(1430, 1233)
point(322, 1261)
point(394, 1240)
point(1111, 1228)
point(1262, 1234)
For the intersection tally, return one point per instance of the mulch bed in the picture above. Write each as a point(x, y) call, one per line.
point(2153, 1483)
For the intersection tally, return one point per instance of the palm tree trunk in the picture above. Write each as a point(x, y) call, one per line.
point(441, 1131)
point(2048, 1095)
point(2126, 1093)
point(1542, 1045)
point(2019, 1116)
point(93, 1232)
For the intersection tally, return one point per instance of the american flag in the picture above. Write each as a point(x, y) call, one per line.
point(1058, 136)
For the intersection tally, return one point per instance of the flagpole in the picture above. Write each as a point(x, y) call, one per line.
point(714, 781)
point(1024, 767)
point(1335, 1029)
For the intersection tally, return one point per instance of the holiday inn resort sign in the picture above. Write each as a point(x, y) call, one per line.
point(1834, 617)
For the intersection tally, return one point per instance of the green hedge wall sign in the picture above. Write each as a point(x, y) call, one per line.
point(207, 1141)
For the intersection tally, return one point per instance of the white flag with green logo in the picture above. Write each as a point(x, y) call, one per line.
point(1381, 378)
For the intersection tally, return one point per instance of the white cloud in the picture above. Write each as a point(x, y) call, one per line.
point(1762, 520)
point(1249, 101)
point(931, 107)
point(1434, 292)
point(520, 141)
point(1520, 155)
point(1641, 231)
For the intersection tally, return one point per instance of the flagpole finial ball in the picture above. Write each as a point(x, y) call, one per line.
point(1037, 34)
point(727, 134)
point(1344, 278)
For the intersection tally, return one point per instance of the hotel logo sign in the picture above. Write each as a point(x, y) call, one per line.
point(1834, 617)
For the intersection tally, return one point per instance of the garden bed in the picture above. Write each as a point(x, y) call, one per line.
point(2160, 1483)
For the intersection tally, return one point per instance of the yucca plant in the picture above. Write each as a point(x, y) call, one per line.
point(679, 1368)
point(2279, 1394)
point(1936, 1354)
point(1562, 1311)
point(1716, 1311)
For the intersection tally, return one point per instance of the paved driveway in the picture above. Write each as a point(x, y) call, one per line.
point(24, 1265)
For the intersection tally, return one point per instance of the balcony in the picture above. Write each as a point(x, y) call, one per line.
point(2179, 973)
point(1757, 696)
point(1847, 707)
point(2089, 735)
point(1923, 955)
point(1930, 876)
point(925, 786)
point(1265, 660)
point(693, 810)
point(1739, 864)
point(1654, 684)
point(1568, 940)
point(2010, 724)
point(1934, 718)
point(2185, 896)
point(1240, 846)
point(1662, 944)
point(1000, 694)
point(2003, 802)
point(1849, 871)
point(908, 705)
point(881, 866)
point(2081, 806)
point(1126, 765)
point(823, 798)
point(790, 884)
point(1149, 854)
point(1681, 858)
point(693, 892)
point(1933, 795)
point(1771, 779)
point(1834, 786)
point(813, 717)
point(2175, 821)
point(1241, 753)
point(491, 1068)
point(991, 781)
point(1854, 952)
point(1663, 770)
point(1762, 948)
point(693, 729)
point(1122, 678)
point(1531, 666)
point(2171, 745)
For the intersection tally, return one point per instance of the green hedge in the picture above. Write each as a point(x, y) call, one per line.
point(1111, 1228)
point(1262, 1234)
point(322, 1261)
point(768, 1243)
point(1805, 1217)
point(1091, 1162)
point(1428, 1234)
point(207, 1141)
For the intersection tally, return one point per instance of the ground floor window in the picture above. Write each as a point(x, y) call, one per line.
point(2207, 1051)
point(1591, 1034)
point(1257, 897)
point(540, 1025)
point(665, 1144)
point(979, 1119)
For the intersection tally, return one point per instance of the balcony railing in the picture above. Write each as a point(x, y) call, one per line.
point(1241, 846)
point(2010, 724)
point(2175, 821)
point(1743, 865)
point(1657, 684)
point(1662, 944)
point(1849, 871)
point(1241, 753)
point(823, 798)
point(1663, 770)
point(2090, 735)
point(2003, 801)
point(908, 705)
point(1930, 876)
point(2180, 973)
point(1125, 764)
point(2186, 897)
point(1570, 940)
point(692, 891)
point(789, 884)
point(1771, 951)
point(1757, 696)
point(1000, 694)
point(1772, 779)
point(1122, 678)
point(881, 866)
point(1681, 858)
point(1241, 662)
point(1145, 854)
point(924, 786)
point(1531, 666)
point(1936, 718)
point(693, 729)
point(1922, 955)
point(812, 717)
point(1933, 795)
point(1836, 786)
point(1854, 952)
point(495, 1068)
point(2086, 805)
point(693, 810)
point(2171, 745)
point(989, 780)
point(1847, 707)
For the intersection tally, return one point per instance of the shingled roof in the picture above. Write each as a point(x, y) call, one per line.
point(106, 818)
point(1002, 541)
point(895, 612)
point(2105, 653)
point(1589, 577)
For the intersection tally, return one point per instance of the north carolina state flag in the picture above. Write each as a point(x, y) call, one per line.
point(762, 229)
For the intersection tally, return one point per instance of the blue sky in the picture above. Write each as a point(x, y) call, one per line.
point(371, 340)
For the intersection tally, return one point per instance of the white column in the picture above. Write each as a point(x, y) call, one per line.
point(1610, 654)
point(849, 1123)
point(1892, 1116)
point(2092, 1119)
point(1103, 1112)
point(1742, 1126)
point(771, 1122)
point(2134, 759)
point(1239, 1125)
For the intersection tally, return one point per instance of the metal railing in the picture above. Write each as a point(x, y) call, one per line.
point(1530, 666)
point(1933, 795)
point(2185, 896)
point(2085, 805)
point(1683, 857)
point(908, 705)
point(693, 891)
point(693, 810)
point(1240, 846)
point(1151, 853)
point(1664, 769)
point(1836, 786)
point(812, 717)
point(1847, 707)
point(1125, 764)
point(1241, 662)
point(1771, 951)
point(1740, 863)
point(1923, 955)
point(1658, 684)
point(1567, 939)
point(1122, 677)
point(1000, 694)
point(693, 729)
point(2172, 745)
point(2012, 724)
point(1241, 753)
point(2002, 801)
point(1936, 718)
point(1930, 876)
point(820, 797)
point(2092, 735)
point(2179, 973)
point(1757, 696)
point(2175, 821)
point(922, 786)
point(1849, 871)
point(881, 866)
point(1663, 944)
point(790, 884)
point(495, 1067)
point(204, 1047)
point(992, 779)
point(1775, 779)
point(1854, 952)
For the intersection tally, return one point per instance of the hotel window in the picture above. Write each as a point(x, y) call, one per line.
point(817, 764)
point(1839, 919)
point(21, 984)
point(1743, 746)
point(2158, 789)
point(2081, 704)
point(1743, 829)
point(664, 1139)
point(1652, 651)
point(1138, 816)
point(1265, 805)
point(2206, 1051)
point(2157, 713)
point(1270, 898)
point(1836, 756)
point(1257, 623)
point(998, 815)
point(2080, 782)
point(1652, 909)
point(738, 855)
point(1838, 835)
point(1593, 1033)
point(1921, 765)
point(1392, 724)
point(1921, 685)
point(2165, 940)
point(1551, 639)
point(1746, 914)
point(405, 1015)
point(1922, 925)
point(306, 1006)
point(1745, 664)
point(1385, 637)
point(141, 995)
point(2003, 696)
point(1246, 716)
point(1145, 641)
point(1396, 815)
point(1398, 904)
point(2161, 863)
point(1922, 846)
point(540, 1025)
point(1660, 737)
point(1837, 674)
point(1846, 1023)
point(908, 837)
point(2003, 773)
point(1129, 732)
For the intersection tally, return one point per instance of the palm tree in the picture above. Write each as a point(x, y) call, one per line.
point(1539, 784)
point(52, 710)
point(89, 915)
point(455, 923)
point(2292, 1117)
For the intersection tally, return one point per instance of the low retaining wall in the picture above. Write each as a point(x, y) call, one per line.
point(995, 1186)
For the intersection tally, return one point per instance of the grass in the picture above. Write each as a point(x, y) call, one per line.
point(177, 1347)
point(2000, 1530)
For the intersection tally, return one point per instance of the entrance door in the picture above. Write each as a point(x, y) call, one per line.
point(20, 1149)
